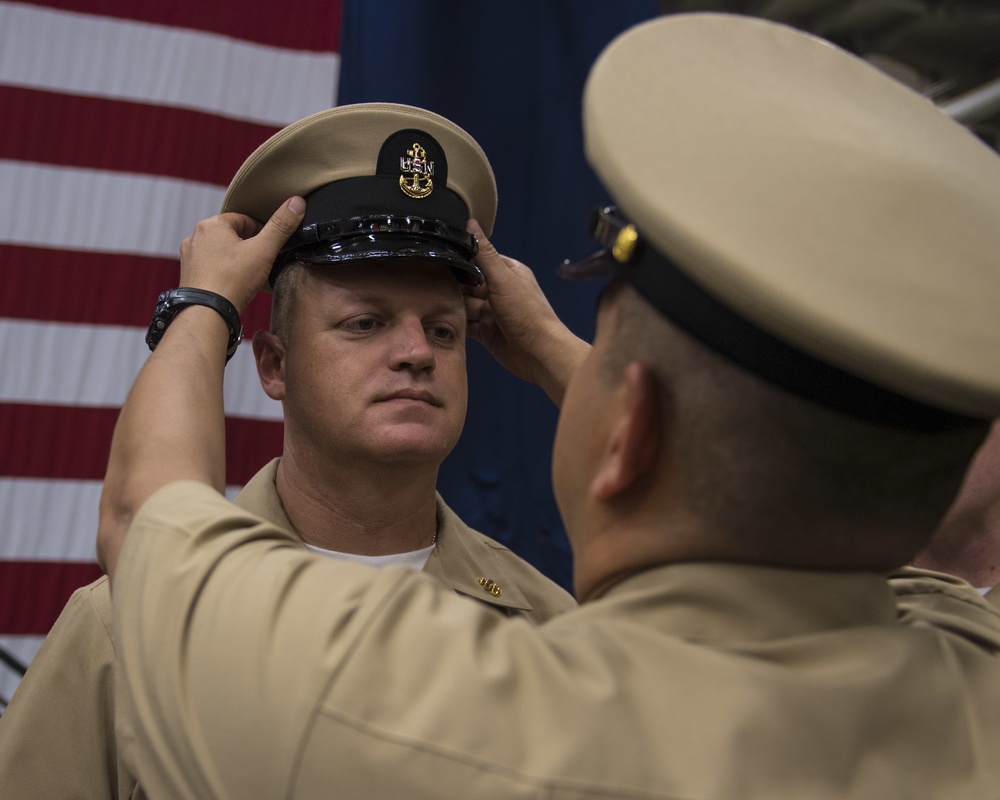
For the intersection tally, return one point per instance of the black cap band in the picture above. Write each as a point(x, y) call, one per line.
point(685, 303)
point(404, 210)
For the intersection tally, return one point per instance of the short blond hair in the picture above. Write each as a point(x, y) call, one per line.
point(283, 298)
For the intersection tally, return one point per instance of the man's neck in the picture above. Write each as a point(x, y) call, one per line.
point(967, 546)
point(363, 509)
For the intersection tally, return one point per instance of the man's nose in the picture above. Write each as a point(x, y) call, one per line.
point(410, 347)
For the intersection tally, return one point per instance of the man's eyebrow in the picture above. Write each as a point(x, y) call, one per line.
point(452, 304)
point(458, 312)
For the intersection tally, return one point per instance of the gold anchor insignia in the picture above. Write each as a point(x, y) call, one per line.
point(491, 587)
point(416, 179)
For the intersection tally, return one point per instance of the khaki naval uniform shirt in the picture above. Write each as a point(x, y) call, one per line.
point(249, 668)
point(57, 735)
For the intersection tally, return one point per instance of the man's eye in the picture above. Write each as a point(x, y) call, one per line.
point(442, 333)
point(361, 325)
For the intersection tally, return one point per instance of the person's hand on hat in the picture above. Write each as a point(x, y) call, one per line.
point(510, 315)
point(232, 254)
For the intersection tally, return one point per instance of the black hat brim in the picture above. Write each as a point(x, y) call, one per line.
point(375, 246)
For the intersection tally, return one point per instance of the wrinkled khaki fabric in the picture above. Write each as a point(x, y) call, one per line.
point(57, 735)
point(252, 669)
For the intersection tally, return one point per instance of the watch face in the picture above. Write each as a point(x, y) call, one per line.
point(169, 303)
point(162, 315)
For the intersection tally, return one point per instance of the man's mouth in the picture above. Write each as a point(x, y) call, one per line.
point(411, 394)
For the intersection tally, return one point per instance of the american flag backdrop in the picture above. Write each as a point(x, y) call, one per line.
point(120, 125)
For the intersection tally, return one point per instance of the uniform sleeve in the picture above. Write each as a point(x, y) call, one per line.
point(227, 634)
point(57, 736)
point(248, 667)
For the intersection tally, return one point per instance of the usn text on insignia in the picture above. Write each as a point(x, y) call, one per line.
point(416, 170)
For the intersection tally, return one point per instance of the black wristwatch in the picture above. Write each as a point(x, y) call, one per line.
point(170, 303)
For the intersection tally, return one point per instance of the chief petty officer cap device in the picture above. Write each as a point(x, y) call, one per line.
point(381, 181)
point(801, 213)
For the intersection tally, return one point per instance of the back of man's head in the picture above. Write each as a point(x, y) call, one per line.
point(773, 477)
point(809, 251)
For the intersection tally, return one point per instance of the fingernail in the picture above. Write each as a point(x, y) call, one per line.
point(296, 205)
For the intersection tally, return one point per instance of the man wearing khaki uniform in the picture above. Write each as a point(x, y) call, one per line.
point(367, 355)
point(794, 363)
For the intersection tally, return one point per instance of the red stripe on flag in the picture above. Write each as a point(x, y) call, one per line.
point(94, 288)
point(32, 593)
point(313, 25)
point(55, 441)
point(126, 137)
point(72, 442)
point(250, 443)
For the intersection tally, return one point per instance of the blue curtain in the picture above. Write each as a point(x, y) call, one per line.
point(511, 72)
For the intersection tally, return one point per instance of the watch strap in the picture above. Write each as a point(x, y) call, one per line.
point(170, 303)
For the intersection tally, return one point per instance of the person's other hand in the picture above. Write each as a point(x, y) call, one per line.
point(510, 315)
point(232, 254)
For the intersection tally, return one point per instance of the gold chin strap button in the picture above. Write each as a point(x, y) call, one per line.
point(491, 587)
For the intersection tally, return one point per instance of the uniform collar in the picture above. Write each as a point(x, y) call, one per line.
point(260, 496)
point(464, 562)
point(460, 559)
point(940, 600)
point(729, 602)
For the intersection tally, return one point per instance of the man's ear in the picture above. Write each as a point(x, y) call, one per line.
point(635, 437)
point(269, 353)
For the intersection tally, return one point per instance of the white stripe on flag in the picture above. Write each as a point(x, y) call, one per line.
point(60, 364)
point(47, 520)
point(51, 520)
point(160, 65)
point(92, 210)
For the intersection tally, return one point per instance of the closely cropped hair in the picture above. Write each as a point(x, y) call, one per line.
point(283, 299)
point(758, 459)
